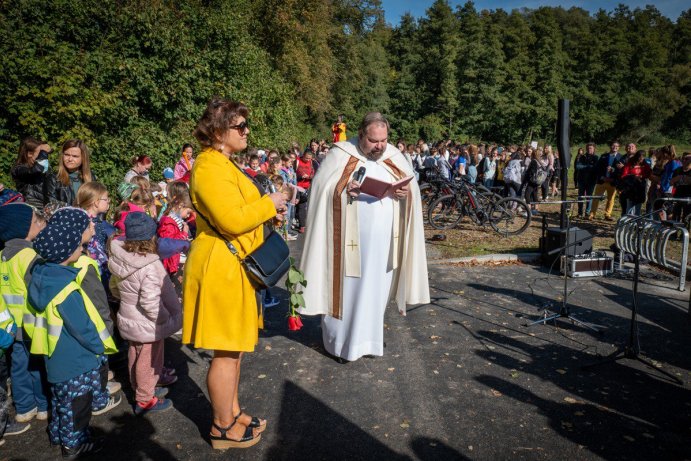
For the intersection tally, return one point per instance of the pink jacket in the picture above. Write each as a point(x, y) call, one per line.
point(149, 305)
point(181, 170)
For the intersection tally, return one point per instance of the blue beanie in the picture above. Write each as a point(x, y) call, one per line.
point(168, 173)
point(15, 221)
point(139, 226)
point(63, 234)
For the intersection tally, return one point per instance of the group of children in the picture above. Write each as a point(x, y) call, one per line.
point(59, 279)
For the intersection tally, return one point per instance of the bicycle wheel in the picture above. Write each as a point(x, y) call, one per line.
point(510, 216)
point(445, 212)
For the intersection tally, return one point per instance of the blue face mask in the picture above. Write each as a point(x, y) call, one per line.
point(45, 164)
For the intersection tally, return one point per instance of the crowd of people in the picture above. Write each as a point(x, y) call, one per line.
point(86, 280)
point(533, 172)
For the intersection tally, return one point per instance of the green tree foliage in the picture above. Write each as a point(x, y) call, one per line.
point(132, 77)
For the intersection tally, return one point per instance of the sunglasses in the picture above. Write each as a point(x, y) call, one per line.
point(241, 127)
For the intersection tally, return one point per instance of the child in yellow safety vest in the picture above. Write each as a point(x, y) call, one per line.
point(19, 225)
point(69, 332)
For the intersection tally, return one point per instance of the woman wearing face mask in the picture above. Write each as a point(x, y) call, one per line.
point(73, 171)
point(141, 164)
point(31, 173)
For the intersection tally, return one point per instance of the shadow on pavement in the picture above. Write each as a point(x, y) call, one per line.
point(308, 429)
point(428, 449)
point(615, 410)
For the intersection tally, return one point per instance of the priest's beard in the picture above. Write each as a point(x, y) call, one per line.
point(373, 155)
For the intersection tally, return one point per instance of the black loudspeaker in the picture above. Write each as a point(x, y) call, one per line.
point(556, 237)
point(563, 131)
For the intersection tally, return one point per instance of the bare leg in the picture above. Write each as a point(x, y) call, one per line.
point(222, 382)
point(244, 419)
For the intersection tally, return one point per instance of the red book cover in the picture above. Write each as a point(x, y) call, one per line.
point(381, 189)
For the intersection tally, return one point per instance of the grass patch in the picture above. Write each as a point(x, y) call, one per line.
point(469, 239)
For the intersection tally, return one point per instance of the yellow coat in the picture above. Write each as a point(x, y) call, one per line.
point(220, 309)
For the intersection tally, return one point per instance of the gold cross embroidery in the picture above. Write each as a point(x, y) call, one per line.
point(352, 245)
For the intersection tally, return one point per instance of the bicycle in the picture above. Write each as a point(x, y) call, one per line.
point(506, 215)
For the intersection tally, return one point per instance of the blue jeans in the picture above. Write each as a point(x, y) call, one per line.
point(633, 208)
point(585, 189)
point(28, 372)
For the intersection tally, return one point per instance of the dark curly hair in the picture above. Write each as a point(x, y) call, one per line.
point(218, 116)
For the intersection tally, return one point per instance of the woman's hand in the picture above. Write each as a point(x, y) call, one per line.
point(279, 200)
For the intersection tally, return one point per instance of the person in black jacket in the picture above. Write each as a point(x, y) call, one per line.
point(31, 173)
point(585, 166)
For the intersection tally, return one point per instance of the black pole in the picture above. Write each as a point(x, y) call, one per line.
point(563, 128)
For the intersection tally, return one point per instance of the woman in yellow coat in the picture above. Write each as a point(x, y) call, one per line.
point(220, 303)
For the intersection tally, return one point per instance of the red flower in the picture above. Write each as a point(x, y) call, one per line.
point(294, 323)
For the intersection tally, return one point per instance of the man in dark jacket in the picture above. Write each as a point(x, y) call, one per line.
point(585, 166)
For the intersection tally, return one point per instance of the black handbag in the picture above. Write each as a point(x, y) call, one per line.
point(266, 264)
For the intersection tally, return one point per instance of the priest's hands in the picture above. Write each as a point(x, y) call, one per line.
point(353, 188)
point(402, 192)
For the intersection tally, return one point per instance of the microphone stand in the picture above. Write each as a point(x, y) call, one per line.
point(632, 348)
point(564, 311)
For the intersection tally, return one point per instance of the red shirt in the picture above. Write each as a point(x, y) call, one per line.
point(304, 168)
point(641, 170)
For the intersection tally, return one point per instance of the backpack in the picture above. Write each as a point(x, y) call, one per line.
point(539, 175)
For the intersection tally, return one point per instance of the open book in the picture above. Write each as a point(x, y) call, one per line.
point(381, 189)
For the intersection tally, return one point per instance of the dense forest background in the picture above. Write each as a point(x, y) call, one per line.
point(132, 77)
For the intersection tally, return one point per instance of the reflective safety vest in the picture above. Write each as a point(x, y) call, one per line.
point(83, 264)
point(49, 324)
point(13, 288)
point(6, 319)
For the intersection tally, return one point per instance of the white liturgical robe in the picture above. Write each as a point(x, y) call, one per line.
point(359, 256)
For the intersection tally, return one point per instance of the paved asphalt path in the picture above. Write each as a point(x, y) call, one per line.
point(461, 378)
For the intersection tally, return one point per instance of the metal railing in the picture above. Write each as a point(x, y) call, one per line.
point(655, 237)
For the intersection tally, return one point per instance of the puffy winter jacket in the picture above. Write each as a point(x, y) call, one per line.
point(37, 187)
point(149, 306)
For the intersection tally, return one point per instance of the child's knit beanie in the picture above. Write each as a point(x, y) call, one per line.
point(62, 235)
point(15, 221)
point(139, 226)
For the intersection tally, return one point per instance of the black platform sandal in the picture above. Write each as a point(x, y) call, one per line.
point(255, 423)
point(222, 442)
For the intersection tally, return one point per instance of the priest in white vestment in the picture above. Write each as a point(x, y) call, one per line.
point(358, 256)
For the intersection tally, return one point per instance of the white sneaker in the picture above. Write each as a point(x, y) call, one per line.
point(26, 417)
point(114, 387)
point(42, 415)
point(113, 402)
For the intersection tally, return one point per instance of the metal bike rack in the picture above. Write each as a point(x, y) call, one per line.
point(654, 239)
